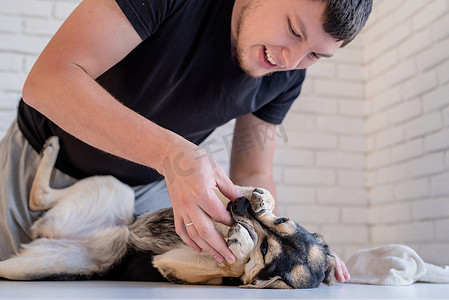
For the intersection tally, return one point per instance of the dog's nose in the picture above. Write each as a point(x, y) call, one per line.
point(238, 206)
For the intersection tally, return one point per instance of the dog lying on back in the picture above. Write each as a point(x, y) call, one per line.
point(89, 230)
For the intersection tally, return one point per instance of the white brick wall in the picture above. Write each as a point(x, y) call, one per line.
point(26, 26)
point(407, 137)
point(367, 156)
point(328, 194)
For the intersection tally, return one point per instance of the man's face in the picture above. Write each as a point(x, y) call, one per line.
point(279, 35)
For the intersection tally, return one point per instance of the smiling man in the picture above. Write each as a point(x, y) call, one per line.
point(272, 36)
point(133, 87)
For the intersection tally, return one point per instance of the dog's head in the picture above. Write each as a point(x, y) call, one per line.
point(285, 255)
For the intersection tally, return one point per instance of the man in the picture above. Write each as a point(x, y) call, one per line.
point(132, 87)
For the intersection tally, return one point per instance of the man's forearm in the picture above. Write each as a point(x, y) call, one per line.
point(61, 85)
point(75, 102)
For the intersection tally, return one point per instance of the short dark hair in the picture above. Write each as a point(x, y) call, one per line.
point(344, 19)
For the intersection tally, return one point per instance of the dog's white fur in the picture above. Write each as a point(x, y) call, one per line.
point(62, 239)
point(85, 230)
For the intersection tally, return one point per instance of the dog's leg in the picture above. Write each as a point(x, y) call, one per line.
point(85, 206)
point(262, 202)
point(84, 230)
point(246, 191)
point(42, 196)
point(44, 258)
point(183, 265)
point(67, 259)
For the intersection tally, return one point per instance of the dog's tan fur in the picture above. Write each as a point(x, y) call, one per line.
point(89, 227)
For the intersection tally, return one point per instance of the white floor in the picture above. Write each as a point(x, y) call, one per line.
point(144, 290)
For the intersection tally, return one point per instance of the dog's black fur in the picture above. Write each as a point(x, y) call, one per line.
point(89, 232)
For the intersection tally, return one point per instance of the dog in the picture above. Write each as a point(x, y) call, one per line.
point(89, 230)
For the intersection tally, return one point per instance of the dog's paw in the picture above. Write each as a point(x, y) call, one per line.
point(261, 201)
point(51, 145)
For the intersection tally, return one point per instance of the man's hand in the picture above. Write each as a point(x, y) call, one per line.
point(192, 177)
point(341, 272)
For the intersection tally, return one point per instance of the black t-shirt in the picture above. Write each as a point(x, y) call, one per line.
point(181, 77)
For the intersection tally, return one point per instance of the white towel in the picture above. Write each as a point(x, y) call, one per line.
point(393, 265)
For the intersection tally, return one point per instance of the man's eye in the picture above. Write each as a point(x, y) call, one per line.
point(264, 247)
point(314, 55)
point(292, 30)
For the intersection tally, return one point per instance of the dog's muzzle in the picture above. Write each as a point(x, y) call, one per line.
point(241, 212)
point(239, 206)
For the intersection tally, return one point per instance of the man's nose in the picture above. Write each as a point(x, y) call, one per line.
point(293, 56)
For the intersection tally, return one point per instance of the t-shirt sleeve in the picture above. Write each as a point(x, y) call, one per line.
point(146, 15)
point(274, 111)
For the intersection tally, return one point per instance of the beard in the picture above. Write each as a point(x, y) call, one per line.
point(238, 58)
point(238, 44)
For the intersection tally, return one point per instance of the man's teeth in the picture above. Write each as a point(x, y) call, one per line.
point(269, 58)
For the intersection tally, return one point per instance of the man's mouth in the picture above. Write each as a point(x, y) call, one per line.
point(269, 58)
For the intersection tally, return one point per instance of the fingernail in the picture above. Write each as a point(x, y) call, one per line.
point(230, 260)
point(340, 278)
point(218, 258)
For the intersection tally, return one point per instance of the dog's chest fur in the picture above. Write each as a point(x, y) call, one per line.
point(89, 231)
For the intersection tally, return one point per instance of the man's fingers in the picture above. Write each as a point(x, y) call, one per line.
point(215, 209)
point(201, 235)
point(345, 271)
point(218, 213)
point(338, 273)
point(196, 236)
point(208, 238)
point(341, 272)
point(227, 187)
point(181, 230)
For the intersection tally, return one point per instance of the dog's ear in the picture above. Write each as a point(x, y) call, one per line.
point(319, 238)
point(274, 283)
point(329, 274)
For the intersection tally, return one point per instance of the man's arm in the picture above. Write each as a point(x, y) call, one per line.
point(62, 86)
point(252, 163)
point(253, 149)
